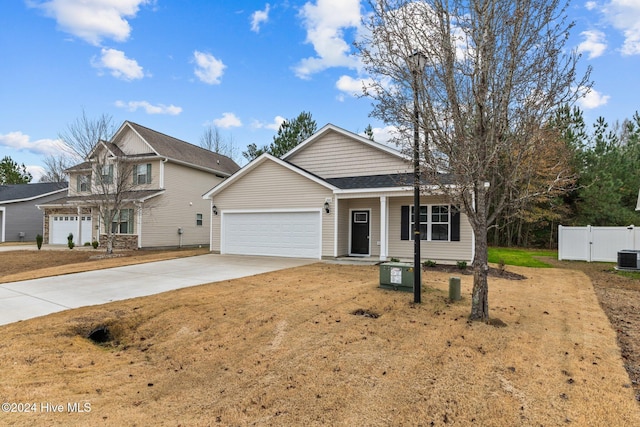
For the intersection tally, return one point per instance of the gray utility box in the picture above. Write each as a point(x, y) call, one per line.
point(397, 276)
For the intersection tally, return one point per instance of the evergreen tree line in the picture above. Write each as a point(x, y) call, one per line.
point(605, 164)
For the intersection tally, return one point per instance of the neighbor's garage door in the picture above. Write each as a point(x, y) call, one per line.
point(287, 234)
point(61, 225)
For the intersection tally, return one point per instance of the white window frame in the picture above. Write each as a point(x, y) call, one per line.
point(426, 233)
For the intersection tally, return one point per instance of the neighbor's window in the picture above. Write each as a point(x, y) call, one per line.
point(199, 219)
point(142, 174)
point(123, 222)
point(107, 174)
point(84, 182)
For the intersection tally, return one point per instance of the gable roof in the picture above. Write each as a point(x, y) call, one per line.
point(13, 193)
point(180, 151)
point(260, 160)
point(332, 128)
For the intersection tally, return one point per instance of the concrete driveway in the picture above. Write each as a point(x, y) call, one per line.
point(38, 297)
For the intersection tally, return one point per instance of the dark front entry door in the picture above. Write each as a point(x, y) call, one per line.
point(360, 233)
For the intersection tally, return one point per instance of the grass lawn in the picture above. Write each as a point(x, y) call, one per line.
point(521, 257)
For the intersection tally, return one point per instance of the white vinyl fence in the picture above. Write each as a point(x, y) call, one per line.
point(596, 243)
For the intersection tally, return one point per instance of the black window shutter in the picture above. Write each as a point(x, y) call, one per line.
point(404, 223)
point(455, 223)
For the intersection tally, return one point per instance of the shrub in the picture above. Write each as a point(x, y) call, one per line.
point(429, 263)
point(394, 260)
point(70, 241)
point(39, 241)
point(95, 244)
point(462, 265)
point(87, 244)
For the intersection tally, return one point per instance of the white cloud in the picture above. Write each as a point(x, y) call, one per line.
point(259, 17)
point(624, 15)
point(325, 23)
point(228, 120)
point(275, 125)
point(36, 172)
point(21, 142)
point(591, 99)
point(92, 20)
point(384, 135)
point(120, 66)
point(208, 69)
point(351, 86)
point(149, 108)
point(594, 43)
point(590, 5)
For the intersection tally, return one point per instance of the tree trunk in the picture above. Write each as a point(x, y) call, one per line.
point(480, 294)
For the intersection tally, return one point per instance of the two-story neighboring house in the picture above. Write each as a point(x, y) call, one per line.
point(156, 181)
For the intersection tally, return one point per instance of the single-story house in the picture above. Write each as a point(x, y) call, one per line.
point(162, 192)
point(336, 194)
point(20, 218)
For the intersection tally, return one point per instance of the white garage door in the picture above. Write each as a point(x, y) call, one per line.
point(287, 234)
point(61, 225)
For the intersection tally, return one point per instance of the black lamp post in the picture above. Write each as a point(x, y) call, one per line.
point(416, 62)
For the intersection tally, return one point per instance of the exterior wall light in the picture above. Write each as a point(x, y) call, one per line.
point(215, 210)
point(326, 207)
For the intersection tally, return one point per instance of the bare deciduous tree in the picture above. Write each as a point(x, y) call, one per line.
point(111, 180)
point(212, 140)
point(496, 71)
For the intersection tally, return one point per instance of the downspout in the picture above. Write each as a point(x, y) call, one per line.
point(210, 224)
point(139, 231)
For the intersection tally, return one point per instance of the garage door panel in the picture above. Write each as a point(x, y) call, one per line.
point(289, 234)
point(61, 225)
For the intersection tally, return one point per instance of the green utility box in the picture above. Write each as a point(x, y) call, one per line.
point(397, 276)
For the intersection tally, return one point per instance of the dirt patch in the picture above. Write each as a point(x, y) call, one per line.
point(619, 297)
point(286, 348)
point(503, 273)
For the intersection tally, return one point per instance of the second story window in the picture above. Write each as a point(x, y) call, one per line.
point(84, 182)
point(142, 174)
point(106, 174)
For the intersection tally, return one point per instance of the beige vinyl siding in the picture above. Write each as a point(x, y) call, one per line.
point(132, 144)
point(177, 208)
point(272, 187)
point(335, 155)
point(434, 250)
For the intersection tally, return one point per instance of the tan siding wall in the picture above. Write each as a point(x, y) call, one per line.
point(131, 143)
point(437, 251)
point(335, 155)
point(272, 187)
point(178, 207)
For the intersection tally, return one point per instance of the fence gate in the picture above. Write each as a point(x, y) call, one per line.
point(596, 243)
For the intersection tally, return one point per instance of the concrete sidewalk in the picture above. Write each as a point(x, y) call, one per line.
point(38, 297)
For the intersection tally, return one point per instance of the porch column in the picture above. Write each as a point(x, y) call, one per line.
point(79, 233)
point(384, 228)
point(139, 220)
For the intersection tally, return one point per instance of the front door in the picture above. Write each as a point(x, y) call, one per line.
point(360, 232)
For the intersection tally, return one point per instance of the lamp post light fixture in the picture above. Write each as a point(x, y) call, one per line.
point(416, 62)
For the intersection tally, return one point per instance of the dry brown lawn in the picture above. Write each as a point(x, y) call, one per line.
point(285, 348)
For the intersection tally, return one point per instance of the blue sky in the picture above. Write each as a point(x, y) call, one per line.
point(179, 66)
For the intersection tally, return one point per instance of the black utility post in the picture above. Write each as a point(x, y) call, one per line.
point(416, 62)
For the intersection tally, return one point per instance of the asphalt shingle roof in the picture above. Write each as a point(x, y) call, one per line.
point(380, 181)
point(28, 191)
point(173, 148)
